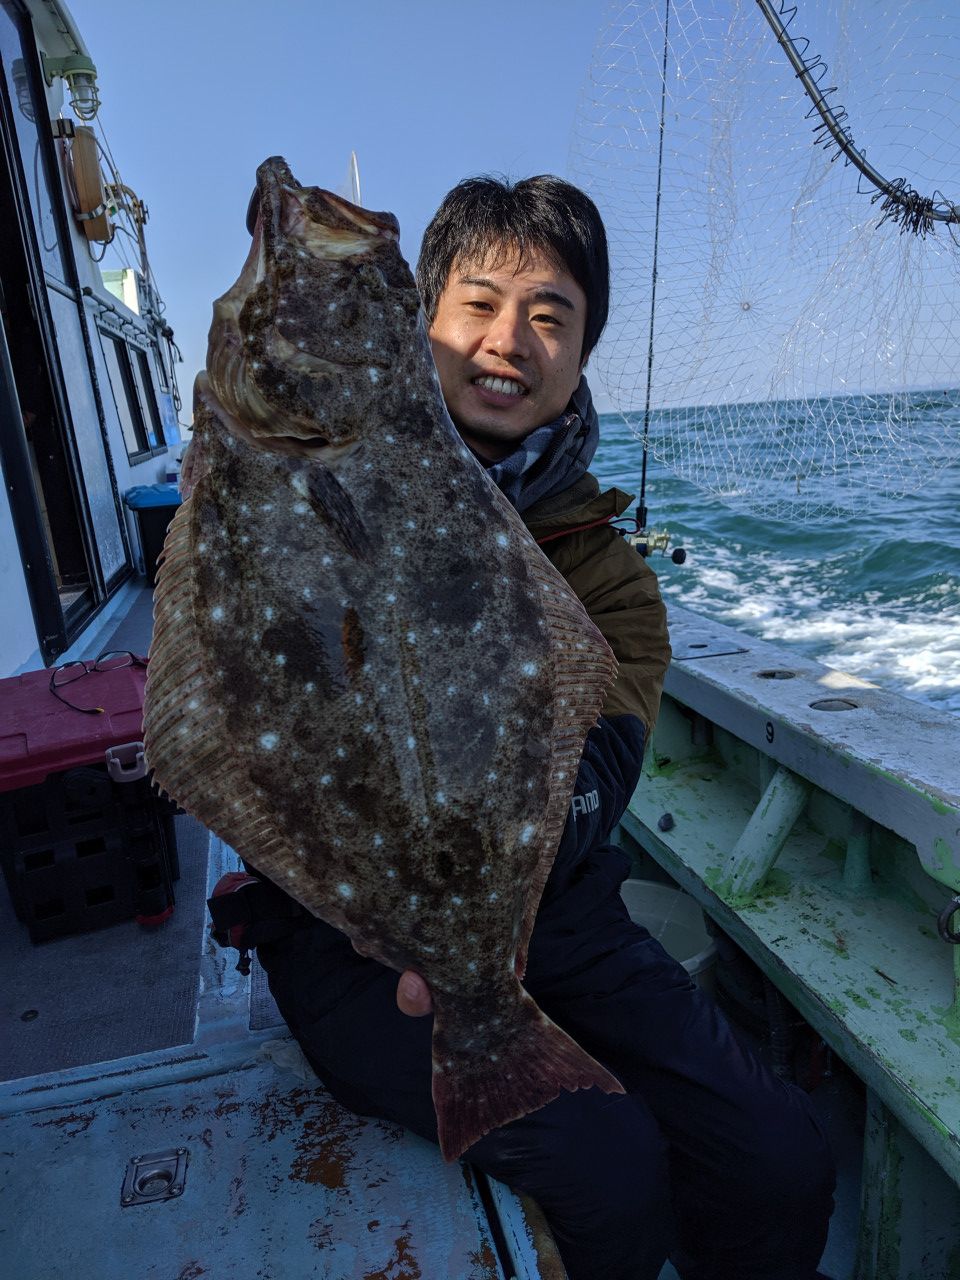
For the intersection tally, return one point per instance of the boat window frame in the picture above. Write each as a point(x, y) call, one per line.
point(137, 418)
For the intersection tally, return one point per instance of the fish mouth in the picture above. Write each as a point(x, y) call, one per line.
point(280, 200)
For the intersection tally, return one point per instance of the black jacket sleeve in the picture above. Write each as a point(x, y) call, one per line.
point(608, 776)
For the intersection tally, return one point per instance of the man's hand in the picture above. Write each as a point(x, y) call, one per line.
point(413, 995)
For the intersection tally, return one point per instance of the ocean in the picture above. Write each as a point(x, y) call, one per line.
point(876, 595)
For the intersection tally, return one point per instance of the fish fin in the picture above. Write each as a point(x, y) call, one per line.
point(334, 507)
point(584, 669)
point(533, 1059)
point(184, 742)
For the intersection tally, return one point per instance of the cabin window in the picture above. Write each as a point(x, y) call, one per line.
point(123, 382)
point(18, 57)
point(163, 380)
point(148, 397)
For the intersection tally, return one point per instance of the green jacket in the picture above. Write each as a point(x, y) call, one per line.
point(616, 586)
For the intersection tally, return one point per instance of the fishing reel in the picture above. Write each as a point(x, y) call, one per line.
point(647, 541)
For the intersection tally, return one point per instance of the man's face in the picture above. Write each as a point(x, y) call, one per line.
point(507, 343)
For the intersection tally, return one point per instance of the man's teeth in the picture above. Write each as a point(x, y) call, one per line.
point(502, 386)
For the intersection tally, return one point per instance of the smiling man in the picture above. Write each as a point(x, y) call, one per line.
point(708, 1157)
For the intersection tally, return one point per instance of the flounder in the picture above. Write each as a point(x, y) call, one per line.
point(365, 675)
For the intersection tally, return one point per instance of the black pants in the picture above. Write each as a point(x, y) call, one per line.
point(709, 1158)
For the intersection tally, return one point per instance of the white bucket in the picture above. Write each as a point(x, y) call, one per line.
point(676, 921)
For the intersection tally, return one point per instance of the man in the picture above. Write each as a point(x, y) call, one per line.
point(708, 1158)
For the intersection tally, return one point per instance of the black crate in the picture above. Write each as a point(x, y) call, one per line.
point(80, 851)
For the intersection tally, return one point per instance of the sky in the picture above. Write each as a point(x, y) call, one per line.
point(196, 94)
point(773, 279)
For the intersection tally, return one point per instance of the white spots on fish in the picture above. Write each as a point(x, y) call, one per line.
point(258, 708)
point(326, 561)
point(526, 835)
point(501, 730)
point(368, 466)
point(358, 699)
point(341, 753)
point(492, 897)
point(265, 550)
point(411, 637)
point(377, 839)
point(399, 552)
point(267, 506)
point(256, 365)
point(430, 951)
point(457, 901)
point(519, 721)
point(413, 900)
point(391, 873)
point(440, 797)
point(561, 775)
point(346, 392)
point(301, 345)
point(331, 306)
point(391, 597)
point(344, 603)
point(345, 890)
point(307, 593)
point(562, 702)
point(374, 375)
point(441, 531)
point(216, 613)
point(368, 344)
point(486, 869)
point(411, 742)
point(280, 659)
point(502, 540)
point(269, 741)
point(529, 669)
point(434, 631)
point(410, 524)
point(389, 439)
point(453, 951)
point(424, 462)
point(201, 548)
point(193, 704)
point(461, 506)
point(244, 538)
point(300, 508)
point(486, 699)
point(368, 728)
point(325, 779)
point(529, 784)
point(477, 627)
point(292, 873)
point(268, 613)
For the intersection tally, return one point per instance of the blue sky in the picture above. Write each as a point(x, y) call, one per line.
point(196, 94)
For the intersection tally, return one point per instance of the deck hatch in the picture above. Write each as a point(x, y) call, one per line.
point(159, 1175)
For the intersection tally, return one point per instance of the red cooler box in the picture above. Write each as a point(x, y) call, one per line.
point(85, 840)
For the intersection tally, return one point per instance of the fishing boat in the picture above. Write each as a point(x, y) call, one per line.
point(159, 1122)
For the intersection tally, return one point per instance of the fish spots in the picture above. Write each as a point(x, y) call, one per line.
point(502, 540)
point(325, 779)
point(391, 873)
point(501, 730)
point(341, 753)
point(492, 775)
point(391, 597)
point(486, 699)
point(269, 741)
point(193, 704)
point(389, 439)
point(425, 462)
point(411, 742)
point(374, 375)
point(526, 835)
point(413, 900)
point(486, 869)
point(268, 613)
point(345, 890)
point(440, 797)
point(471, 966)
point(411, 637)
point(377, 839)
point(399, 552)
point(307, 593)
point(457, 902)
point(216, 613)
point(529, 669)
point(368, 728)
point(310, 687)
point(492, 897)
point(477, 627)
point(441, 531)
point(451, 690)
point(280, 659)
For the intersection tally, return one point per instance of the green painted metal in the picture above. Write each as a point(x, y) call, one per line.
point(763, 837)
point(910, 1211)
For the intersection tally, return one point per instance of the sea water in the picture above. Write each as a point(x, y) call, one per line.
point(876, 595)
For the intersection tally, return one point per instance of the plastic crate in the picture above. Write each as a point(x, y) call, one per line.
point(85, 841)
point(81, 851)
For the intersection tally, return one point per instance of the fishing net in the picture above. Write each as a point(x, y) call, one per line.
point(784, 333)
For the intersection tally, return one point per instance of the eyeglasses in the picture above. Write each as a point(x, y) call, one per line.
point(70, 672)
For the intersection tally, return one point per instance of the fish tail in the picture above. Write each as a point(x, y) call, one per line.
point(486, 1074)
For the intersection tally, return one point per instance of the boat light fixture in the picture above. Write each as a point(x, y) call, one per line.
point(81, 77)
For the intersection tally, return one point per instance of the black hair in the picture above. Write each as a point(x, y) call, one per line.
point(544, 214)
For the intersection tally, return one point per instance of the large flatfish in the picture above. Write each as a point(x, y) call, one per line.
point(365, 675)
